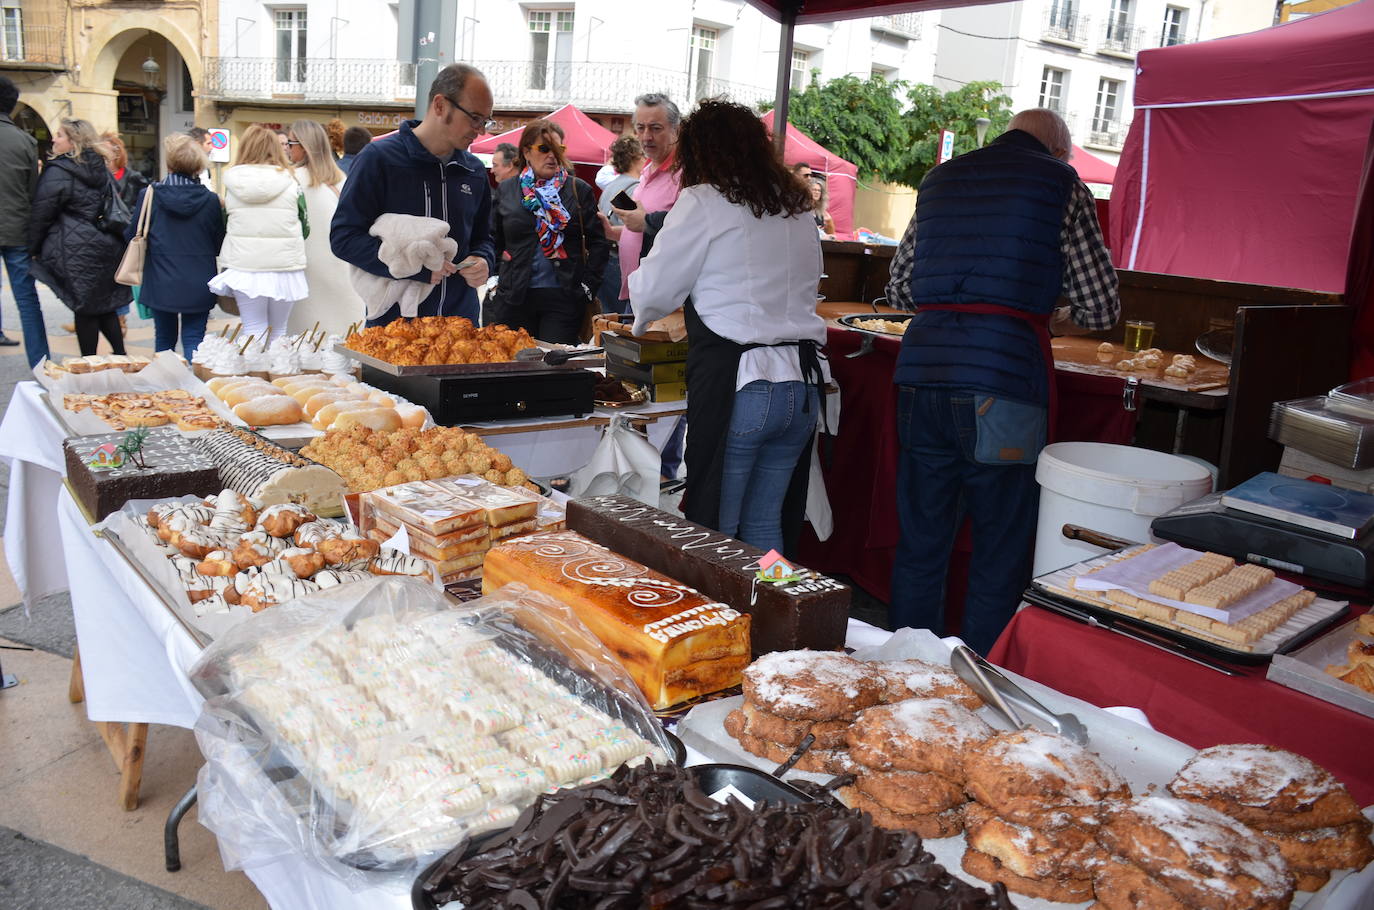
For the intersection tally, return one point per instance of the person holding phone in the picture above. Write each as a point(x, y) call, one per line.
point(627, 158)
point(546, 218)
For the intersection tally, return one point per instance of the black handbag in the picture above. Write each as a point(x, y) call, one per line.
point(114, 216)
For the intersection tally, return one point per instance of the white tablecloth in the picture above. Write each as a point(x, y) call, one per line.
point(31, 441)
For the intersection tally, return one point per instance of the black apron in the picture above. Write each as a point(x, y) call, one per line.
point(712, 367)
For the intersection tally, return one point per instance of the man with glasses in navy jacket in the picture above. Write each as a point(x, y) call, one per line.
point(425, 168)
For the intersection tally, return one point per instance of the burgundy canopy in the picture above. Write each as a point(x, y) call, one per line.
point(1092, 169)
point(834, 10)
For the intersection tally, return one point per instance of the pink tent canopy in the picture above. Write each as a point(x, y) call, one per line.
point(588, 141)
point(1092, 169)
point(1245, 155)
point(841, 177)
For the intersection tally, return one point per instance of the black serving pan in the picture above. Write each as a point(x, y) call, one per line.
point(848, 322)
point(753, 783)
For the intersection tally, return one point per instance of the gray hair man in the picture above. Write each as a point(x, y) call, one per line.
point(503, 162)
point(1000, 237)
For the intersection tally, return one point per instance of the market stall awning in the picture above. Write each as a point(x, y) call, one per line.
point(1092, 169)
point(588, 141)
point(1245, 155)
point(841, 176)
point(834, 10)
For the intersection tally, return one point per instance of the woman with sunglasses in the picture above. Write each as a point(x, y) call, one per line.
point(741, 242)
point(546, 220)
point(333, 305)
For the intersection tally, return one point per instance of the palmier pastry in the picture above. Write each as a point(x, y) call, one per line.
point(312, 532)
point(812, 685)
point(1041, 779)
point(394, 562)
point(920, 679)
point(1265, 787)
point(217, 562)
point(1205, 859)
point(919, 734)
point(304, 562)
point(283, 519)
point(256, 548)
point(340, 550)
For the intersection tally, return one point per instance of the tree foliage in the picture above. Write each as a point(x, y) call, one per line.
point(858, 119)
point(932, 110)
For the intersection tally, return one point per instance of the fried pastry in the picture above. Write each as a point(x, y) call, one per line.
point(812, 685)
point(1040, 779)
point(919, 734)
point(920, 679)
point(933, 826)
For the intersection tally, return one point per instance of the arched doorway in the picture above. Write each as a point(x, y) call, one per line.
point(27, 119)
point(154, 99)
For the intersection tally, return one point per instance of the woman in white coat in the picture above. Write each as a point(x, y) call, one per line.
point(263, 255)
point(332, 302)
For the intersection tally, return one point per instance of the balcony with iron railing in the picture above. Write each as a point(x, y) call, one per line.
point(1120, 40)
point(515, 84)
point(1070, 118)
point(905, 25)
point(33, 46)
point(311, 80)
point(1107, 134)
point(1065, 27)
point(609, 87)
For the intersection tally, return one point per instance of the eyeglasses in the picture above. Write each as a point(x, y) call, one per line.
point(292, 142)
point(485, 124)
point(544, 148)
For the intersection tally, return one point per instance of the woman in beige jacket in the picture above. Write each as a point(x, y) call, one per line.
point(332, 304)
point(262, 260)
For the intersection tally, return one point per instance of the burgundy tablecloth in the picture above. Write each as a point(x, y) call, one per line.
point(860, 463)
point(1188, 702)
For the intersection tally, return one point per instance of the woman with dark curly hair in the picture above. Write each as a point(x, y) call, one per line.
point(740, 248)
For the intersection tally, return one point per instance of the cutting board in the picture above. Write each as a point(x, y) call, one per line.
point(1079, 354)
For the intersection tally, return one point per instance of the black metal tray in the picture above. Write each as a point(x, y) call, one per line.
point(461, 369)
point(752, 782)
point(848, 322)
point(1183, 644)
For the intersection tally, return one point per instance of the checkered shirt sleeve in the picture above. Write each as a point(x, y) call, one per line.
point(1089, 277)
point(899, 273)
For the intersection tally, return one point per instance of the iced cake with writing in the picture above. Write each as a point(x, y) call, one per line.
point(677, 643)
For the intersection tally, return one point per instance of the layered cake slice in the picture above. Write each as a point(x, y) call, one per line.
point(676, 642)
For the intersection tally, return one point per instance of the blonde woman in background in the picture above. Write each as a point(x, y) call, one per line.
point(263, 256)
point(332, 302)
point(69, 252)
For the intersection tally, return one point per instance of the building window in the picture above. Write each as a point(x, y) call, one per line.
point(1052, 89)
point(886, 73)
point(551, 33)
point(702, 60)
point(1107, 115)
point(290, 46)
point(1119, 21)
point(11, 33)
point(801, 70)
point(1174, 23)
point(1061, 15)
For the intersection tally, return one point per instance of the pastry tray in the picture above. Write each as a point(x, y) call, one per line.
point(848, 322)
point(280, 764)
point(461, 369)
point(1304, 669)
point(1052, 592)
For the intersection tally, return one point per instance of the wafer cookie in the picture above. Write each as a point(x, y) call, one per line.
point(1175, 584)
point(1234, 586)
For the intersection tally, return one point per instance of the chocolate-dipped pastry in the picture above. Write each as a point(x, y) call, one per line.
point(811, 611)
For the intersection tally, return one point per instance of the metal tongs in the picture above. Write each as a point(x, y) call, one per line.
point(1006, 696)
point(554, 358)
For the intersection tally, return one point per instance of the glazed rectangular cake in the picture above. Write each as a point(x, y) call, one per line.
point(174, 467)
point(809, 611)
point(677, 643)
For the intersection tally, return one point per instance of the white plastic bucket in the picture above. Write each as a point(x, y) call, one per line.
point(1114, 489)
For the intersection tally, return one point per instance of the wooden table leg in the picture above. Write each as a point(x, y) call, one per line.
point(76, 686)
point(126, 743)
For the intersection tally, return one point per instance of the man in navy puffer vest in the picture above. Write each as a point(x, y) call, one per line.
point(1004, 248)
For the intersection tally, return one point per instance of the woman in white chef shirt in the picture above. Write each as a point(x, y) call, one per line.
point(739, 252)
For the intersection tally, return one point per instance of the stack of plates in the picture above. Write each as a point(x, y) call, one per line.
point(1329, 428)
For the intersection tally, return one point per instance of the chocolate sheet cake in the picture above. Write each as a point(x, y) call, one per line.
point(173, 467)
point(811, 611)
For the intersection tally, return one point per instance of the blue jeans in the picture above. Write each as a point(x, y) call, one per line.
point(165, 328)
point(16, 260)
point(938, 481)
point(671, 459)
point(771, 425)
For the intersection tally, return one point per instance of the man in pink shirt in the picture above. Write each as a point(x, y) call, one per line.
point(656, 124)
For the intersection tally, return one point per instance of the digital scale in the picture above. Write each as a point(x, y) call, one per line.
point(1206, 524)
